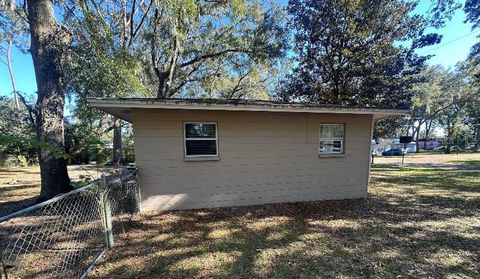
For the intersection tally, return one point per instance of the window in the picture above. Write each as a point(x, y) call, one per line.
point(331, 138)
point(200, 139)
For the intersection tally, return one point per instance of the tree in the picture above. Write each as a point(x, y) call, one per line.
point(470, 70)
point(387, 127)
point(358, 53)
point(129, 49)
point(456, 94)
point(105, 61)
point(472, 10)
point(217, 49)
point(49, 47)
point(472, 120)
point(424, 108)
point(13, 33)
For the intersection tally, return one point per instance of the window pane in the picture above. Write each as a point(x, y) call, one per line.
point(199, 130)
point(330, 146)
point(331, 131)
point(201, 147)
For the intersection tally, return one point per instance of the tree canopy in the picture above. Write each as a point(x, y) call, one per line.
point(356, 52)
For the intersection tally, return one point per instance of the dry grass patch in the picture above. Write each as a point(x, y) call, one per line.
point(417, 222)
point(19, 186)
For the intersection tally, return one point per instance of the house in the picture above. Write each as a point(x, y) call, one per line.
point(429, 144)
point(214, 153)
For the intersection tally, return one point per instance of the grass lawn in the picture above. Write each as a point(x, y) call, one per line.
point(419, 221)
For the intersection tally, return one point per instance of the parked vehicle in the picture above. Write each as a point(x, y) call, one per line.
point(411, 148)
point(392, 152)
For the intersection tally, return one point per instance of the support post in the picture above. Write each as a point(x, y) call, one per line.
point(107, 215)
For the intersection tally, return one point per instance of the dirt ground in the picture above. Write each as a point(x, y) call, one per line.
point(19, 186)
point(420, 220)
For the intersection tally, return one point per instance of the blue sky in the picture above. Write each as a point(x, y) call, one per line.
point(457, 40)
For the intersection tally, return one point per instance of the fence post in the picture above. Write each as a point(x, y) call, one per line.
point(137, 192)
point(107, 215)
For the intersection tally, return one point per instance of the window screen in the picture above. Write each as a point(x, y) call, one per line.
point(331, 138)
point(200, 139)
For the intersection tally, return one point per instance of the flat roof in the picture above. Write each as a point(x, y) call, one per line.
point(122, 107)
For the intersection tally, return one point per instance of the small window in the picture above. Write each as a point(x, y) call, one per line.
point(331, 138)
point(200, 139)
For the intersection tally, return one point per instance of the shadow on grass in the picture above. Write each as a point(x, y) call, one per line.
point(468, 162)
point(17, 170)
point(397, 231)
point(460, 180)
point(13, 206)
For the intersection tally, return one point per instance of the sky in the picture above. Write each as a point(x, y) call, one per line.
point(457, 40)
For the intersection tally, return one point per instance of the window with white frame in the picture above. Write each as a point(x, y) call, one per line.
point(331, 138)
point(200, 139)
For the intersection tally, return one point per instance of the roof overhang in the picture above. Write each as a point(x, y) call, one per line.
point(122, 107)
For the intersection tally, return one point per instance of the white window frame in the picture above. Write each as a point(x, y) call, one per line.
point(342, 139)
point(185, 139)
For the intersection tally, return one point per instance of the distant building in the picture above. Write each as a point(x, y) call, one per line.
point(429, 144)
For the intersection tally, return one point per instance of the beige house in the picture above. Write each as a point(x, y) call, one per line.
point(214, 153)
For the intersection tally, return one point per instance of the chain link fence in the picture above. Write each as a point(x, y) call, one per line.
point(64, 236)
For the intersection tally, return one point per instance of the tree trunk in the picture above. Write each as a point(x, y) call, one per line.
point(477, 136)
point(117, 142)
point(428, 127)
point(10, 71)
point(49, 46)
point(449, 138)
point(417, 136)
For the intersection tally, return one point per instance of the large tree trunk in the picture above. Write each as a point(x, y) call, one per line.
point(117, 142)
point(49, 46)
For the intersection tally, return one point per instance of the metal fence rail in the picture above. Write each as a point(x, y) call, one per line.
point(64, 236)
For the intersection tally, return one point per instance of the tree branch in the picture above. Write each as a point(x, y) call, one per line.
point(142, 20)
point(237, 87)
point(31, 111)
point(213, 55)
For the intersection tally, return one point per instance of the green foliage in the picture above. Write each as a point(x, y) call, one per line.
point(210, 49)
point(356, 52)
point(101, 65)
point(387, 127)
point(176, 48)
point(217, 49)
point(83, 180)
point(7, 142)
point(85, 141)
point(12, 29)
point(445, 98)
point(472, 9)
point(14, 124)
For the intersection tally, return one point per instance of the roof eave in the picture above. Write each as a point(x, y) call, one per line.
point(121, 108)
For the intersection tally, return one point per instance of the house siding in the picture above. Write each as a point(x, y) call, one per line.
point(265, 157)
